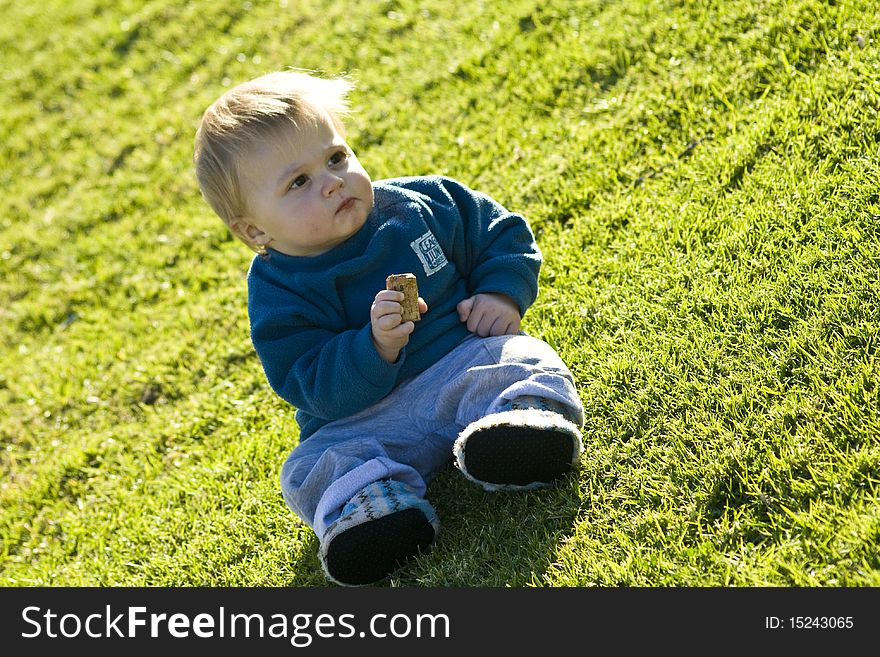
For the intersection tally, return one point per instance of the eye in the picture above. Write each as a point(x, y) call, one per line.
point(298, 182)
point(338, 158)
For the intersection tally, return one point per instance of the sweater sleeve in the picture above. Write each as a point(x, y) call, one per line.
point(325, 373)
point(495, 249)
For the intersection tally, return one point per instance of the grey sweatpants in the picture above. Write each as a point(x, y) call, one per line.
point(408, 435)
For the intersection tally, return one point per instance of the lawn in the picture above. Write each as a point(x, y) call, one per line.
point(702, 177)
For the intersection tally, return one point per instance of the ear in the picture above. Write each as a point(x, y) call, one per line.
point(249, 233)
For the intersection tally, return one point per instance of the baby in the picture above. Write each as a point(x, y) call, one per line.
point(382, 404)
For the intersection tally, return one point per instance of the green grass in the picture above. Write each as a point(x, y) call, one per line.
point(703, 180)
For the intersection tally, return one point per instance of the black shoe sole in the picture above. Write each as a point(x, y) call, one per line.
point(369, 552)
point(518, 455)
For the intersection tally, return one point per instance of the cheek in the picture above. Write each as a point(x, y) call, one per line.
point(366, 184)
point(311, 220)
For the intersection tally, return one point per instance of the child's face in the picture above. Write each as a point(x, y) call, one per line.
point(306, 193)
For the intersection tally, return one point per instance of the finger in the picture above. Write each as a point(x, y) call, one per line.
point(484, 326)
point(383, 308)
point(464, 309)
point(401, 331)
point(389, 295)
point(423, 306)
point(499, 326)
point(508, 325)
point(386, 323)
point(473, 321)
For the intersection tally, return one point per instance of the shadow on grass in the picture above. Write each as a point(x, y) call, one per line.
point(493, 539)
point(486, 539)
point(305, 567)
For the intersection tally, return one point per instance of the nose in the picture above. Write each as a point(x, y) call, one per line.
point(332, 183)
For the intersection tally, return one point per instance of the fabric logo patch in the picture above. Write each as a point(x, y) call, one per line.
point(431, 255)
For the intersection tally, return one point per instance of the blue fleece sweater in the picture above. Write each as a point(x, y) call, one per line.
point(310, 316)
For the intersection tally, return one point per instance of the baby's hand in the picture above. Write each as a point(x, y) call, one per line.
point(490, 314)
point(390, 332)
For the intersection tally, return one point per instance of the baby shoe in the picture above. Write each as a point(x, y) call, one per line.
point(380, 528)
point(527, 444)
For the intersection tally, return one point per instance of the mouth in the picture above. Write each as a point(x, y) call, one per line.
point(345, 205)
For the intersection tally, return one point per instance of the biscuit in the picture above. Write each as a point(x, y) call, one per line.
point(407, 284)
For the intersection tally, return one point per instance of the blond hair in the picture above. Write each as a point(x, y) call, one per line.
point(249, 113)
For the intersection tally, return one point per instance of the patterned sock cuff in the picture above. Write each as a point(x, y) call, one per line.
point(379, 499)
